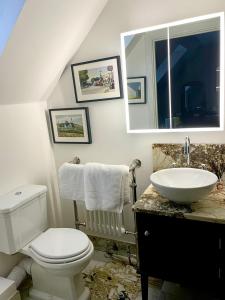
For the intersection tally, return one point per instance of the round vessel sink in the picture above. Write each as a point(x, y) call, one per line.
point(183, 185)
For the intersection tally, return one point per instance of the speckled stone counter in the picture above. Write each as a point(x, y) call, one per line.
point(210, 209)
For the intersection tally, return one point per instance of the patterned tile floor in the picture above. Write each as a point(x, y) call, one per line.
point(113, 280)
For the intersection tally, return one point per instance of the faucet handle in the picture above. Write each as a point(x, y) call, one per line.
point(173, 165)
point(187, 138)
point(203, 166)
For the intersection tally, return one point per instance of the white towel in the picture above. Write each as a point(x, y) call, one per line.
point(106, 187)
point(71, 181)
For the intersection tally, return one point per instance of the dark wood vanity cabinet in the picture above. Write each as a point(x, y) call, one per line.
point(181, 250)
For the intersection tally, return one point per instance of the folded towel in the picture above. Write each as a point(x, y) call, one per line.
point(71, 181)
point(106, 187)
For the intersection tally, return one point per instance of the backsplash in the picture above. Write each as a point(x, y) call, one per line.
point(210, 155)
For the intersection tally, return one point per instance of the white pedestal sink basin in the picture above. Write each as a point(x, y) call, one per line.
point(183, 185)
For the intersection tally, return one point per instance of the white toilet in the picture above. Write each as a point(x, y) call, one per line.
point(59, 254)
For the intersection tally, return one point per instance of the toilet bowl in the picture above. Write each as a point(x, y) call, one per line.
point(59, 254)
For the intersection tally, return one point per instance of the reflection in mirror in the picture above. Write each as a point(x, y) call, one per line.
point(194, 67)
point(160, 48)
point(173, 75)
point(143, 61)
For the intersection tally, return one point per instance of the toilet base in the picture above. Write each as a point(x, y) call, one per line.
point(37, 295)
point(49, 286)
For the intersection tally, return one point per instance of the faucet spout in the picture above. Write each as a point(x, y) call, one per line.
point(187, 149)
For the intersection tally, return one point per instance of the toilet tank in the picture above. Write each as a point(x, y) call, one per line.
point(23, 216)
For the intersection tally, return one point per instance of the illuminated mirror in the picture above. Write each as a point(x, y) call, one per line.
point(174, 76)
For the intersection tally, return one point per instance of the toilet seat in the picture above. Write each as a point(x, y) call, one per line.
point(61, 260)
point(60, 246)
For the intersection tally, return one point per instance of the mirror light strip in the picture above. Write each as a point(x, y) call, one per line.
point(169, 77)
point(124, 79)
point(171, 24)
point(222, 70)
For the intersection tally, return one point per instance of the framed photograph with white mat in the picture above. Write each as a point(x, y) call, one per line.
point(97, 80)
point(70, 125)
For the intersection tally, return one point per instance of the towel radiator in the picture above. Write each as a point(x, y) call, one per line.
point(136, 163)
point(109, 222)
point(105, 223)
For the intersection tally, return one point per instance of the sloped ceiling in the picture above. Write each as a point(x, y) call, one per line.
point(47, 34)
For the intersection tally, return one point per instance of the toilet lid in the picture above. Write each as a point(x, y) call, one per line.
point(59, 243)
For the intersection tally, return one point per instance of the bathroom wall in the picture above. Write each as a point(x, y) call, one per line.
point(24, 156)
point(111, 143)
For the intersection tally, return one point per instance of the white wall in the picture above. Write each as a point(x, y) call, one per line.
point(111, 143)
point(24, 155)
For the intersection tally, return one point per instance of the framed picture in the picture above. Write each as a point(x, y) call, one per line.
point(136, 90)
point(97, 80)
point(70, 125)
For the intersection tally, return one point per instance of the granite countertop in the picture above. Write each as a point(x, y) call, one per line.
point(210, 209)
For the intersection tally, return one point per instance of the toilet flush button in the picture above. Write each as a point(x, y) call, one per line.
point(18, 193)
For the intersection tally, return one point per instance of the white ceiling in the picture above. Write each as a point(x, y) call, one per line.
point(46, 36)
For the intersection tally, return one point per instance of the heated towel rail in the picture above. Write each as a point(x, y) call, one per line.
point(136, 163)
point(117, 222)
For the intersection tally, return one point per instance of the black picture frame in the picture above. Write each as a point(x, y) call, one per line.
point(138, 99)
point(64, 128)
point(97, 80)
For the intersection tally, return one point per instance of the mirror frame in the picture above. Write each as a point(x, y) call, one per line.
point(167, 26)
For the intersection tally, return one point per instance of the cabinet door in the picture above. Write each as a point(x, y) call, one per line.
point(200, 246)
point(158, 246)
point(221, 247)
point(179, 250)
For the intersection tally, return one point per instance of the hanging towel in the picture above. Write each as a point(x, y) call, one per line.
point(106, 187)
point(71, 181)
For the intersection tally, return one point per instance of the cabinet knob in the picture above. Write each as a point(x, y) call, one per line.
point(146, 233)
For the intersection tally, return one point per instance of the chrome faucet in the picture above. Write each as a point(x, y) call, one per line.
point(187, 149)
